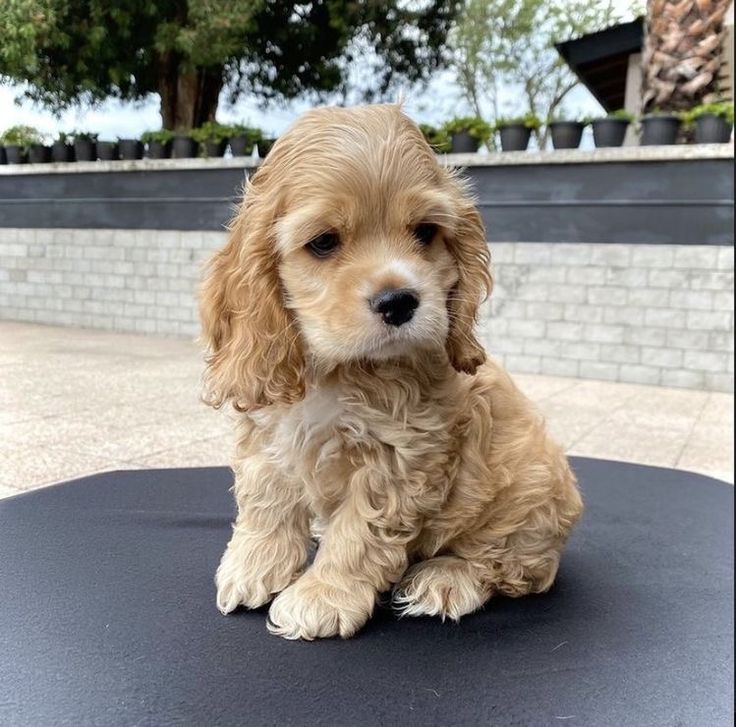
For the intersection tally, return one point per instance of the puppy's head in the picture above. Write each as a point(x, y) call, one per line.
point(352, 244)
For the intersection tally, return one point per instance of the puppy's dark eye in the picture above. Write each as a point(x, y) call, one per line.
point(324, 245)
point(425, 233)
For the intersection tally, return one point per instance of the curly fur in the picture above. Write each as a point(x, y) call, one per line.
point(423, 467)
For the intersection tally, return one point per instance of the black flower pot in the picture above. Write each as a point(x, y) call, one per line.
point(712, 129)
point(463, 143)
point(85, 150)
point(609, 132)
point(240, 146)
point(566, 134)
point(214, 148)
point(107, 151)
point(3, 158)
point(15, 154)
point(61, 152)
point(159, 149)
point(130, 149)
point(264, 147)
point(39, 154)
point(184, 147)
point(659, 130)
point(515, 137)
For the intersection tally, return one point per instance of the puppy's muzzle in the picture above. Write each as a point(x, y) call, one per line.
point(396, 306)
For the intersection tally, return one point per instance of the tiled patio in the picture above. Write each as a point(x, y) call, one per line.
point(74, 402)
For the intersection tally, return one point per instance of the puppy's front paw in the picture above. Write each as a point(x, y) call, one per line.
point(251, 572)
point(309, 609)
point(444, 586)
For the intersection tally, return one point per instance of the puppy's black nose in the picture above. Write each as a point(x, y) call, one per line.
point(396, 307)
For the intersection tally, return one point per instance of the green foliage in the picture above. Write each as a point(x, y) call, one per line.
point(211, 132)
point(529, 120)
point(657, 113)
point(510, 43)
point(473, 125)
point(438, 139)
point(252, 134)
point(85, 51)
point(160, 136)
point(622, 114)
point(722, 109)
point(82, 136)
point(23, 136)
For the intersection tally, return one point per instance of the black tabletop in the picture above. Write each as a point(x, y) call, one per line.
point(108, 617)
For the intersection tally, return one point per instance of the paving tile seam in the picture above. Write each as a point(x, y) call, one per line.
point(694, 424)
point(604, 420)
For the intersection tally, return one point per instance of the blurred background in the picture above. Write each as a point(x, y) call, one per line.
point(597, 135)
point(119, 69)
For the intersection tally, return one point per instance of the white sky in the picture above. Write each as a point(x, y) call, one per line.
point(115, 119)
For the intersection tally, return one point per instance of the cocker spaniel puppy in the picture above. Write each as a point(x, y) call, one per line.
point(339, 321)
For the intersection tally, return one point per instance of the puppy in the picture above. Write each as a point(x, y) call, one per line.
point(339, 323)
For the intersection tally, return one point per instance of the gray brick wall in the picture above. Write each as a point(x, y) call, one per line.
point(655, 314)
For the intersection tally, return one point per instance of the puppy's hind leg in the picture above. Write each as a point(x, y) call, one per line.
point(447, 586)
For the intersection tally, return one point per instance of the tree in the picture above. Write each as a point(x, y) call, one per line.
point(682, 53)
point(509, 44)
point(72, 52)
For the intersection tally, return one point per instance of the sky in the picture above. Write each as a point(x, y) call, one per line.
point(438, 102)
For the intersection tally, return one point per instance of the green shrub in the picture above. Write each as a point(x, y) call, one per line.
point(162, 136)
point(722, 109)
point(438, 139)
point(473, 125)
point(529, 120)
point(211, 132)
point(251, 133)
point(23, 136)
point(83, 136)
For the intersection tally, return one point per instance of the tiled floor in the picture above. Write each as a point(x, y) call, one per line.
point(74, 402)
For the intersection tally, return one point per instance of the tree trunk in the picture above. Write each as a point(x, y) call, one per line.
point(682, 53)
point(188, 99)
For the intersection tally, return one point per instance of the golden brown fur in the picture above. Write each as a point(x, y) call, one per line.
point(424, 469)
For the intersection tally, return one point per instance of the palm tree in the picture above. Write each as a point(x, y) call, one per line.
point(683, 52)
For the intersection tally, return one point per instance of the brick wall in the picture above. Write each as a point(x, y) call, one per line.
point(656, 314)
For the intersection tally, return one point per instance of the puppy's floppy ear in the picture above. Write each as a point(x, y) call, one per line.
point(255, 355)
point(470, 249)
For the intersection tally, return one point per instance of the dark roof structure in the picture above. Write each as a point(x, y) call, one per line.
point(600, 60)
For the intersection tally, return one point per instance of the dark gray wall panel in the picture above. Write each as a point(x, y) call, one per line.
point(675, 202)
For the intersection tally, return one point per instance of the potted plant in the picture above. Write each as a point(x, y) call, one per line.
point(566, 134)
point(242, 139)
point(158, 143)
point(85, 146)
point(466, 134)
point(438, 139)
point(610, 130)
point(264, 146)
point(130, 148)
point(62, 149)
point(659, 128)
point(515, 132)
point(713, 122)
point(39, 154)
point(212, 138)
point(107, 151)
point(3, 158)
point(17, 140)
point(183, 145)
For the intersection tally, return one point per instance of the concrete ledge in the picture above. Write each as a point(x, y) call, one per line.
point(678, 152)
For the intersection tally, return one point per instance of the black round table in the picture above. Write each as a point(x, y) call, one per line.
point(108, 617)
